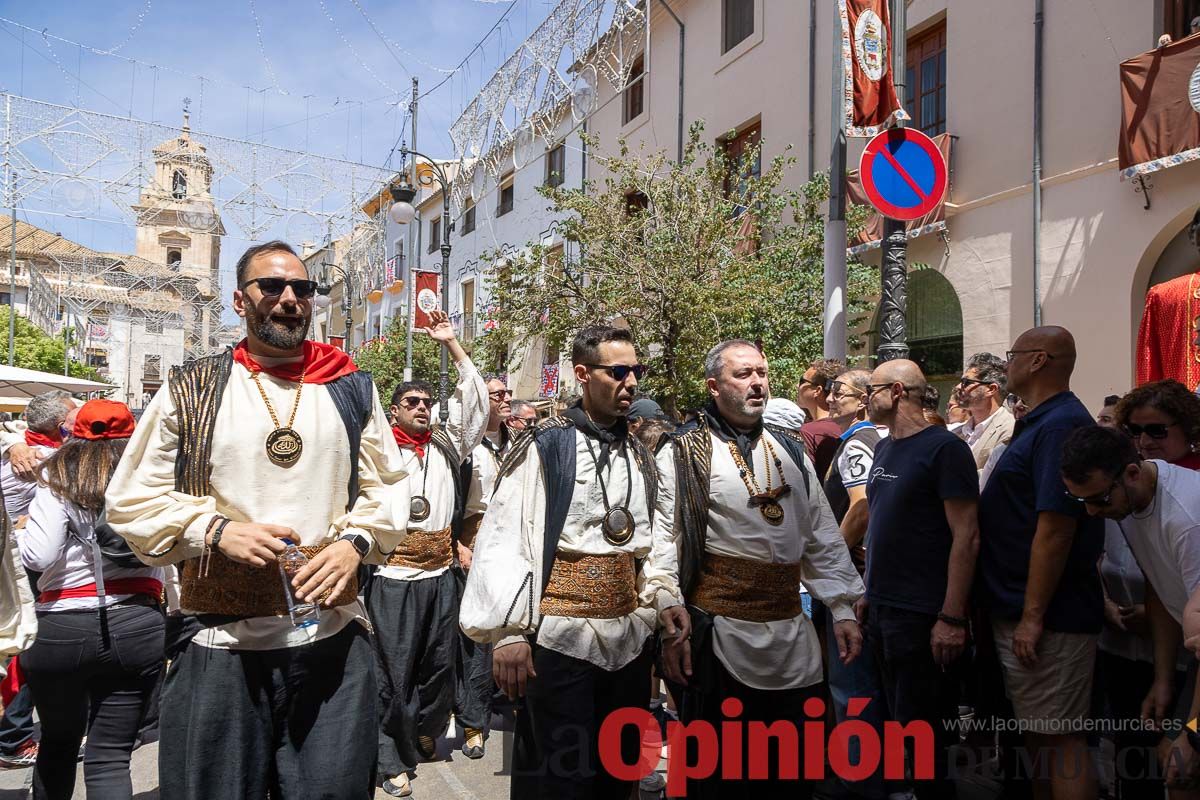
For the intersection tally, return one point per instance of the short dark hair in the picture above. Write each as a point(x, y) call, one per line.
point(991, 369)
point(1171, 398)
point(1111, 400)
point(411, 386)
point(586, 347)
point(1093, 447)
point(931, 398)
point(827, 369)
point(273, 246)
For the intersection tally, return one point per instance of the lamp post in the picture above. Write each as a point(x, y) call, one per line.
point(325, 287)
point(402, 213)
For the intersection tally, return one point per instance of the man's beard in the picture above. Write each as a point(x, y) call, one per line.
point(744, 407)
point(276, 334)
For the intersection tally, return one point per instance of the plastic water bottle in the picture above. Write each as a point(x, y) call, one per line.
point(292, 561)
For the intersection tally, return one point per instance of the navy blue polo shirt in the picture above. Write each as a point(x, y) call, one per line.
point(1026, 482)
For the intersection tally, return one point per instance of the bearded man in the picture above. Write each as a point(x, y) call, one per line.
point(279, 442)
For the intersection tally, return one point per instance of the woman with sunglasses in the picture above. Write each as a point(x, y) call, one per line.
point(1163, 419)
point(99, 646)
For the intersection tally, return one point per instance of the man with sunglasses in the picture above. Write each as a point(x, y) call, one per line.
point(574, 570)
point(1157, 506)
point(753, 524)
point(281, 440)
point(414, 597)
point(982, 390)
point(523, 415)
point(1037, 564)
point(820, 432)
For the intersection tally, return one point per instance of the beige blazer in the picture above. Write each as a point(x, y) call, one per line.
point(999, 431)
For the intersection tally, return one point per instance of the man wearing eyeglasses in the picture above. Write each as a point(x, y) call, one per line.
point(1037, 564)
point(574, 570)
point(1157, 506)
point(523, 415)
point(922, 539)
point(281, 439)
point(820, 432)
point(982, 390)
point(473, 683)
point(414, 597)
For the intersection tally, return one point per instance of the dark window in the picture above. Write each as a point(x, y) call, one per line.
point(636, 203)
point(635, 91)
point(178, 185)
point(556, 165)
point(435, 235)
point(738, 151)
point(925, 81)
point(174, 258)
point(1178, 16)
point(506, 196)
point(5, 298)
point(738, 22)
point(468, 223)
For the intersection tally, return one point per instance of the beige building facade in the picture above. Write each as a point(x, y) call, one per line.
point(749, 72)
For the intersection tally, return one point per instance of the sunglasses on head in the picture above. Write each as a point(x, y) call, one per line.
point(412, 402)
point(1155, 430)
point(621, 371)
point(273, 287)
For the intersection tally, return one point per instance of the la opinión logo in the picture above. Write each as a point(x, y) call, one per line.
point(804, 749)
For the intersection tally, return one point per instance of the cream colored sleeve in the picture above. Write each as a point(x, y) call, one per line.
point(469, 410)
point(381, 511)
point(11, 433)
point(659, 579)
point(161, 525)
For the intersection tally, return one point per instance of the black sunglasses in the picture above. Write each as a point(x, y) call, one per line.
point(500, 394)
point(412, 402)
point(621, 371)
point(964, 381)
point(1008, 356)
point(1098, 499)
point(273, 287)
point(1155, 430)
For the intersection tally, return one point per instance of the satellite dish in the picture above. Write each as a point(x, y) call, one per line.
point(583, 98)
point(523, 145)
point(477, 181)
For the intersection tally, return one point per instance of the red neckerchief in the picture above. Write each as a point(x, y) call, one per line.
point(33, 439)
point(322, 363)
point(1190, 461)
point(416, 443)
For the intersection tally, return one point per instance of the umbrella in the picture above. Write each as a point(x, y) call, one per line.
point(18, 382)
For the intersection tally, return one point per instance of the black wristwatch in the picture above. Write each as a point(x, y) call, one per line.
point(957, 622)
point(361, 543)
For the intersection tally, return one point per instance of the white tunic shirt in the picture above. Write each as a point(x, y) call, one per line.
point(310, 496)
point(433, 475)
point(783, 654)
point(502, 560)
point(18, 492)
point(485, 466)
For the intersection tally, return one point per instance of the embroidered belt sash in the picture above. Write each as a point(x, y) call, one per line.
point(591, 586)
point(747, 589)
point(230, 588)
point(470, 529)
point(423, 550)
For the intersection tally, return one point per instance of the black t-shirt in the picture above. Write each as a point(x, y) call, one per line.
point(908, 537)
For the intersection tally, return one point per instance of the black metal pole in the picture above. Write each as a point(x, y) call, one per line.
point(893, 272)
point(444, 377)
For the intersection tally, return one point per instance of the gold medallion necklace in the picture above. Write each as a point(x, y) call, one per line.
point(767, 500)
point(284, 444)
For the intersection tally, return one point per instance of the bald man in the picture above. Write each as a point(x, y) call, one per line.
point(1038, 565)
point(922, 540)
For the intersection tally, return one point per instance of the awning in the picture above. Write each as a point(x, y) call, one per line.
point(18, 382)
point(872, 233)
point(1160, 108)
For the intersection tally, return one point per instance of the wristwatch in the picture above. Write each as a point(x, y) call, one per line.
point(361, 543)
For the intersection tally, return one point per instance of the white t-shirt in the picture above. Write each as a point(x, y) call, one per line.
point(1165, 537)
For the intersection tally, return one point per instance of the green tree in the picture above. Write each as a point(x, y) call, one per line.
point(384, 359)
point(35, 349)
point(686, 255)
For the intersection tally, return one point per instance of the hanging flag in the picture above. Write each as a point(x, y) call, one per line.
point(549, 386)
point(490, 323)
point(871, 103)
point(1160, 108)
point(389, 270)
point(426, 297)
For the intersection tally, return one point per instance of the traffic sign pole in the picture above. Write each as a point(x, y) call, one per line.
point(893, 272)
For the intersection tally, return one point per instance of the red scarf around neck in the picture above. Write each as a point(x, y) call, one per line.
point(33, 439)
point(322, 363)
point(415, 443)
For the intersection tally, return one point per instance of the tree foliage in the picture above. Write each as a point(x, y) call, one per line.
point(384, 359)
point(686, 255)
point(35, 349)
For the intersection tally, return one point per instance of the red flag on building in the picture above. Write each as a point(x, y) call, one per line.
point(1160, 108)
point(871, 103)
point(426, 297)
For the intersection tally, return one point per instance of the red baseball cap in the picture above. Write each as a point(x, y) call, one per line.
point(103, 419)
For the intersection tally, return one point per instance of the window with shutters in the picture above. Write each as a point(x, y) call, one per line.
point(635, 91)
point(738, 151)
point(737, 22)
point(468, 223)
point(435, 234)
point(556, 165)
point(925, 81)
point(505, 203)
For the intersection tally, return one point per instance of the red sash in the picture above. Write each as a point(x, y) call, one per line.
point(146, 586)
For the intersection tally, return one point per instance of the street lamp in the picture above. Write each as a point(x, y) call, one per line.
point(324, 287)
point(402, 213)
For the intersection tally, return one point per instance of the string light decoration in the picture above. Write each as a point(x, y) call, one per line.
point(172, 185)
point(563, 60)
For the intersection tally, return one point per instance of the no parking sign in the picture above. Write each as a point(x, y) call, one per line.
point(903, 173)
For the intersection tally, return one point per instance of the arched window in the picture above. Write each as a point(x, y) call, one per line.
point(179, 185)
point(935, 329)
point(174, 257)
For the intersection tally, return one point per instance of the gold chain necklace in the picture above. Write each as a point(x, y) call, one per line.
point(284, 445)
point(767, 500)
